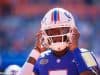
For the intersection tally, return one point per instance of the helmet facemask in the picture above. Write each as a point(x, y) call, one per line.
point(56, 38)
point(56, 25)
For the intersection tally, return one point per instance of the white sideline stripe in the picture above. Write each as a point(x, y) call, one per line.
point(2, 73)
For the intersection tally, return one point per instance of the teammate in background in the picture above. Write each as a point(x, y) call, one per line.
point(12, 70)
point(56, 51)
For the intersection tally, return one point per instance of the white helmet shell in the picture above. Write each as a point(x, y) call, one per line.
point(57, 17)
point(12, 70)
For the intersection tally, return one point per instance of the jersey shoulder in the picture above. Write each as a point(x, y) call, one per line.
point(45, 54)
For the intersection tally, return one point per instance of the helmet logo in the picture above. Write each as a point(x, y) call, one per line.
point(68, 16)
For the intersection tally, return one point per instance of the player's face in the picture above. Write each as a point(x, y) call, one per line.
point(56, 34)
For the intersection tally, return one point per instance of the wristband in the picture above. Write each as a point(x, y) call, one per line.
point(31, 60)
point(34, 55)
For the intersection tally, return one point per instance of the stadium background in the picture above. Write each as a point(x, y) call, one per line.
point(20, 20)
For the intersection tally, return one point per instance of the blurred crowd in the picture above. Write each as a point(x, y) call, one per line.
point(20, 21)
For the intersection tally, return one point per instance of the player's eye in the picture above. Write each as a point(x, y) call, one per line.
point(57, 39)
point(53, 31)
point(57, 31)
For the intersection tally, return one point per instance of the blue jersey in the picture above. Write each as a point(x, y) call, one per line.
point(71, 63)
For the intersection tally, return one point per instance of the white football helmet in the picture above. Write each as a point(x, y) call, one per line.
point(55, 28)
point(12, 70)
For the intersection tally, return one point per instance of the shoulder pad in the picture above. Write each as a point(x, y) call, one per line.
point(89, 58)
point(46, 53)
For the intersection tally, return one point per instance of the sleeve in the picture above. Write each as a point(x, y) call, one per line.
point(36, 68)
point(85, 61)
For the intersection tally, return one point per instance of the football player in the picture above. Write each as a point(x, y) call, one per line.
point(56, 51)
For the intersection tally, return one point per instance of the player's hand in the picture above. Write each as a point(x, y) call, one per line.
point(74, 38)
point(38, 43)
point(35, 53)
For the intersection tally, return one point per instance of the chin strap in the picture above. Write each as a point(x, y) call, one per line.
point(60, 53)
